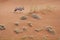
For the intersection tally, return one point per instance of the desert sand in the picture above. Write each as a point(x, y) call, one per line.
point(48, 17)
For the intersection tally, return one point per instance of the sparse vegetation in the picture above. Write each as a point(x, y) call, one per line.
point(2, 27)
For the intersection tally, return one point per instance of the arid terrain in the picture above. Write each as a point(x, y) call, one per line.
point(47, 10)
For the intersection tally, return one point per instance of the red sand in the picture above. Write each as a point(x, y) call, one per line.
point(7, 18)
